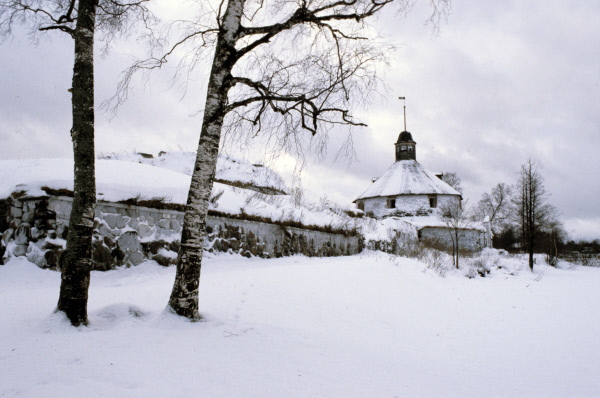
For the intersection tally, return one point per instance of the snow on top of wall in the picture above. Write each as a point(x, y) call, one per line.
point(115, 180)
point(122, 180)
point(407, 177)
point(229, 169)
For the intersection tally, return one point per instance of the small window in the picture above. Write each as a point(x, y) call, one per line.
point(433, 201)
point(361, 206)
point(410, 149)
point(402, 147)
point(391, 203)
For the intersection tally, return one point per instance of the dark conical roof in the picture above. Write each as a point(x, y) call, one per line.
point(405, 136)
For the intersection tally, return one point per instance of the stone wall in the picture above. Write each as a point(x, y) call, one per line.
point(128, 235)
point(469, 239)
point(406, 205)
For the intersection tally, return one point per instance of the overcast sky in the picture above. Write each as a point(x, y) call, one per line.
point(501, 83)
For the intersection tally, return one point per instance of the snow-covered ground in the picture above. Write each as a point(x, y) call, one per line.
point(370, 325)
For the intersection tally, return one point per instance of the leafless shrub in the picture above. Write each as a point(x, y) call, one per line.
point(436, 261)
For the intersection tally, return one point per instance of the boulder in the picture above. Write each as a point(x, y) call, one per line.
point(134, 258)
point(129, 242)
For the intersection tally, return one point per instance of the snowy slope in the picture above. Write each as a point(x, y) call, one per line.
point(362, 326)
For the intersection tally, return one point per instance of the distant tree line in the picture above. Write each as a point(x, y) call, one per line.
point(521, 218)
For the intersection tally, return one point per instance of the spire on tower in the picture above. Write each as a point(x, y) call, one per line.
point(405, 146)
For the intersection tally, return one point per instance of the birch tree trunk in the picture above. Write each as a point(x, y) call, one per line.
point(184, 296)
point(76, 270)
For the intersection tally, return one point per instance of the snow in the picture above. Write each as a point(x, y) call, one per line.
point(118, 180)
point(115, 180)
point(407, 177)
point(368, 325)
point(228, 168)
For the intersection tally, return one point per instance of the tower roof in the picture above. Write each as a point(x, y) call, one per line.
point(407, 177)
point(405, 136)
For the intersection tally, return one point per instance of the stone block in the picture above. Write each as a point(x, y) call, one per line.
point(7, 235)
point(16, 212)
point(122, 222)
point(23, 234)
point(19, 250)
point(17, 203)
point(37, 234)
point(29, 206)
point(134, 223)
point(129, 242)
point(111, 220)
point(62, 209)
point(27, 216)
point(164, 223)
point(104, 230)
point(144, 231)
point(131, 213)
point(134, 258)
point(37, 257)
point(175, 226)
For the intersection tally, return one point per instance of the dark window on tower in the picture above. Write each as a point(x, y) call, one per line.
point(391, 203)
point(410, 149)
point(361, 206)
point(433, 201)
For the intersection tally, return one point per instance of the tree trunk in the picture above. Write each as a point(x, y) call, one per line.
point(76, 270)
point(531, 249)
point(457, 249)
point(184, 296)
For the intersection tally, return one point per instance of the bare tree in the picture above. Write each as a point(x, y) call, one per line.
point(496, 205)
point(281, 70)
point(458, 219)
point(531, 210)
point(80, 19)
point(453, 180)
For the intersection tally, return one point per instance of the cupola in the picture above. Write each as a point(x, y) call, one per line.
point(405, 147)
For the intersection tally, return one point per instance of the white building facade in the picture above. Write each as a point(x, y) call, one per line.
point(406, 188)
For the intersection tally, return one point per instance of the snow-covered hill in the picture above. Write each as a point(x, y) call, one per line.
point(363, 326)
